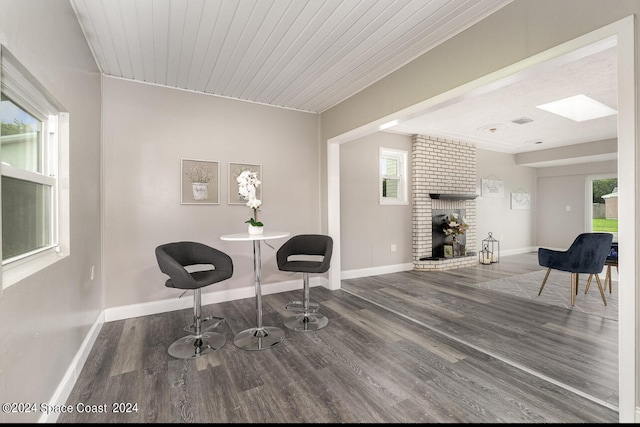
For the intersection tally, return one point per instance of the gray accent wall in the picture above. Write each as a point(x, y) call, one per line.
point(147, 131)
point(368, 229)
point(47, 317)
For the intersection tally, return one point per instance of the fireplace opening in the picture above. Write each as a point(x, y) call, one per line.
point(438, 238)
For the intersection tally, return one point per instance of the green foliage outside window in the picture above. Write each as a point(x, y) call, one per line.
point(602, 187)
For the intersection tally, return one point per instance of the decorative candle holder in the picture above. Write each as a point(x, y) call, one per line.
point(490, 250)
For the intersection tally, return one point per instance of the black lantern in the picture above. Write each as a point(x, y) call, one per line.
point(490, 250)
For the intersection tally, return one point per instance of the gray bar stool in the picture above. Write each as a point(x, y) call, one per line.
point(173, 258)
point(305, 253)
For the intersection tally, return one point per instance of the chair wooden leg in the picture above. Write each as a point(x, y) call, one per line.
point(607, 278)
point(544, 281)
point(601, 291)
point(577, 278)
point(586, 289)
point(574, 287)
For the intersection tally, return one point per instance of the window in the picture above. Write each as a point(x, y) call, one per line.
point(30, 120)
point(393, 177)
point(602, 193)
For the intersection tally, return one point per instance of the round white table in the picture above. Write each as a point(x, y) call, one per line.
point(260, 337)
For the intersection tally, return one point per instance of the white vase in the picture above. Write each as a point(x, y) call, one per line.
point(200, 190)
point(253, 229)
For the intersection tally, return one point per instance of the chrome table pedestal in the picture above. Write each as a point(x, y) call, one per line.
point(260, 337)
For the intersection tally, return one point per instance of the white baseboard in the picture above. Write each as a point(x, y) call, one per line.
point(375, 271)
point(163, 306)
point(520, 251)
point(65, 387)
point(386, 269)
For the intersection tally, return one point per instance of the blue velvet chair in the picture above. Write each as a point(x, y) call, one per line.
point(611, 261)
point(586, 254)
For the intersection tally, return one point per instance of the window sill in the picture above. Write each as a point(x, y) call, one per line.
point(393, 202)
point(13, 274)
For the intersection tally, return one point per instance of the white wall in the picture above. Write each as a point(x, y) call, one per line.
point(559, 187)
point(368, 229)
point(46, 317)
point(513, 228)
point(147, 130)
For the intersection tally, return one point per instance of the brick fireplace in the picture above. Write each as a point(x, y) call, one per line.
point(444, 180)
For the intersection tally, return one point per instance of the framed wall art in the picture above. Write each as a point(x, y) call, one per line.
point(520, 200)
point(236, 169)
point(200, 182)
point(493, 188)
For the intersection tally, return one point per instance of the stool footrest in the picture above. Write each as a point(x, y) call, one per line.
point(299, 307)
point(205, 326)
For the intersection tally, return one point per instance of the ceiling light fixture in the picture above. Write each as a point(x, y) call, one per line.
point(491, 128)
point(578, 108)
point(522, 120)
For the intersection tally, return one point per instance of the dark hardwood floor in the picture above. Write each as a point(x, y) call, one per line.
point(410, 347)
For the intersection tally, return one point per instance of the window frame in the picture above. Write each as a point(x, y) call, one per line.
point(24, 90)
point(401, 156)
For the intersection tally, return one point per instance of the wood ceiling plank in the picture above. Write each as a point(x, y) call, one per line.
point(301, 54)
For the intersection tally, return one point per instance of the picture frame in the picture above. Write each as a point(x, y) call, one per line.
point(235, 169)
point(520, 200)
point(493, 188)
point(193, 192)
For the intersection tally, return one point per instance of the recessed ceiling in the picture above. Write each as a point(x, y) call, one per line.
point(505, 117)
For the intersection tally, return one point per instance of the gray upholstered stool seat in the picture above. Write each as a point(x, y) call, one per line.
point(305, 253)
point(208, 266)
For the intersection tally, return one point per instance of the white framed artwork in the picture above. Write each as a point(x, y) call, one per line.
point(520, 200)
point(493, 188)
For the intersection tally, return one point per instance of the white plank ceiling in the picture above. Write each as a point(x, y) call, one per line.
point(305, 55)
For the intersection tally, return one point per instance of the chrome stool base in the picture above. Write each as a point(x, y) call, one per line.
point(205, 326)
point(298, 306)
point(306, 323)
point(259, 338)
point(192, 346)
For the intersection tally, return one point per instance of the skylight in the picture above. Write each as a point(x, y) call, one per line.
point(578, 108)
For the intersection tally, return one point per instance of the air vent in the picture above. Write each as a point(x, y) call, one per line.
point(522, 120)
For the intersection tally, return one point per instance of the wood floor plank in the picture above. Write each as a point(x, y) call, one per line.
point(406, 347)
